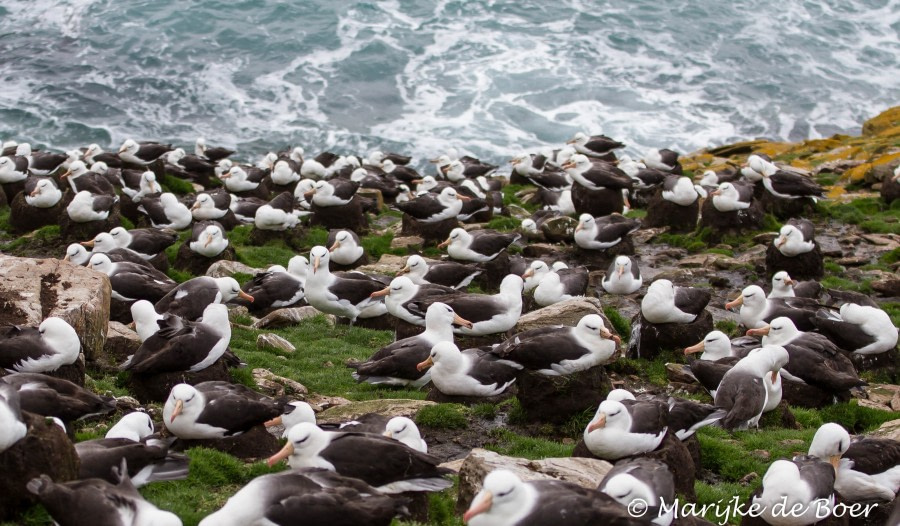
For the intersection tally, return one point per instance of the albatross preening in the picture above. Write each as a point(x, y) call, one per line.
point(666, 303)
point(866, 468)
point(48, 347)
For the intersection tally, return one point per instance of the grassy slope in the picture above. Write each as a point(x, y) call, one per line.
point(322, 350)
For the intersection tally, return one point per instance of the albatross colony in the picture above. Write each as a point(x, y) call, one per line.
point(462, 328)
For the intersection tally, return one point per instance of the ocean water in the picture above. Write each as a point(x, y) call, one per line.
point(490, 78)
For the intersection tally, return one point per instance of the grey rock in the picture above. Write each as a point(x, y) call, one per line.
point(273, 385)
point(227, 268)
point(567, 312)
point(286, 317)
point(34, 289)
point(385, 407)
point(274, 341)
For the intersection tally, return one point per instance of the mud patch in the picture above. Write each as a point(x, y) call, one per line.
point(49, 295)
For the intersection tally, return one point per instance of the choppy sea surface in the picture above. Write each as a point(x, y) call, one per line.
point(490, 78)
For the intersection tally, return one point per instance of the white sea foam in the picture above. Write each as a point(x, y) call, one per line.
point(488, 78)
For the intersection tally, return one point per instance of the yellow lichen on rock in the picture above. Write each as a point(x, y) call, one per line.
point(858, 173)
point(887, 119)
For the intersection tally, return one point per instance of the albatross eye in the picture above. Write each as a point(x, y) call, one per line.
point(505, 493)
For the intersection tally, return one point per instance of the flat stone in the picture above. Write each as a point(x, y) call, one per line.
point(889, 429)
point(853, 261)
point(275, 342)
point(286, 317)
point(679, 373)
point(887, 287)
point(407, 242)
point(884, 240)
point(567, 312)
point(226, 268)
point(586, 472)
point(386, 407)
point(34, 289)
point(765, 238)
point(388, 264)
point(322, 402)
point(273, 385)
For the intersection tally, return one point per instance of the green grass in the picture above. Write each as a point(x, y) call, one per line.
point(506, 442)
point(176, 186)
point(870, 213)
point(503, 223)
point(729, 327)
point(485, 411)
point(443, 416)
point(318, 362)
point(621, 324)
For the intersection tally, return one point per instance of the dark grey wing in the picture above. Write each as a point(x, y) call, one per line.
point(691, 300)
point(710, 373)
point(602, 144)
point(874, 455)
point(488, 369)
point(575, 281)
point(818, 474)
point(490, 242)
point(607, 232)
point(647, 416)
point(152, 151)
point(793, 184)
point(670, 182)
point(18, 344)
point(397, 360)
point(354, 290)
point(152, 240)
point(744, 190)
point(421, 207)
point(472, 307)
point(352, 455)
point(236, 408)
point(743, 396)
point(846, 335)
point(805, 227)
point(103, 203)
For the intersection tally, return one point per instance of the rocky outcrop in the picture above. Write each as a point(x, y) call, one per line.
point(34, 289)
point(227, 268)
point(586, 472)
point(567, 312)
point(274, 342)
point(273, 385)
point(286, 317)
point(386, 407)
point(121, 342)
